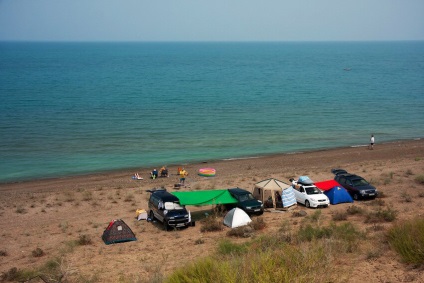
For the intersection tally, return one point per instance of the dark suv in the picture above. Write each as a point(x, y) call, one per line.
point(166, 208)
point(246, 201)
point(357, 186)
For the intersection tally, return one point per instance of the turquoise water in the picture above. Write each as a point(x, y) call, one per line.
point(73, 108)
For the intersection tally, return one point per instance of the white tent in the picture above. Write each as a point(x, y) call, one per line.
point(236, 217)
point(274, 194)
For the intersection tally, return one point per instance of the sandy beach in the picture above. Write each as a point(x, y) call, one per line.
point(50, 214)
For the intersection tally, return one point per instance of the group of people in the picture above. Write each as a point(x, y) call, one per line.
point(163, 172)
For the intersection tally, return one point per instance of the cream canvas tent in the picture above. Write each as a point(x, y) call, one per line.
point(274, 194)
point(236, 217)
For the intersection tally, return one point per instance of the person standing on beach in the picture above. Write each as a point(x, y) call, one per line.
point(183, 174)
point(372, 141)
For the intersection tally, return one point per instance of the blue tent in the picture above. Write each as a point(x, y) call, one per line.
point(338, 194)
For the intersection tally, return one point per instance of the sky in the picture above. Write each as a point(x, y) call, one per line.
point(207, 20)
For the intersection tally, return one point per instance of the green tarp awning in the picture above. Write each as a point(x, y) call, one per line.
point(207, 197)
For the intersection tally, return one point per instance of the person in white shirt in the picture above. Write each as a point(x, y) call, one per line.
point(372, 141)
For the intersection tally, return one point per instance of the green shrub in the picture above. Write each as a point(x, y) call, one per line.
point(407, 239)
point(226, 247)
point(309, 233)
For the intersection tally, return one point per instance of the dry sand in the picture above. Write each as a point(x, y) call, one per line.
point(51, 214)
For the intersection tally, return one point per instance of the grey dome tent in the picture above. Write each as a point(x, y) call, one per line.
point(118, 232)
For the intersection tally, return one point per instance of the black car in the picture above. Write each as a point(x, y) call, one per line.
point(357, 186)
point(246, 201)
point(166, 208)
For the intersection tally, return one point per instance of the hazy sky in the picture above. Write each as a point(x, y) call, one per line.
point(211, 20)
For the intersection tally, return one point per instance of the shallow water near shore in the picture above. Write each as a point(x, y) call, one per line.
point(72, 108)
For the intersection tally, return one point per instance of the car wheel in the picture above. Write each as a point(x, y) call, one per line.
point(165, 225)
point(152, 215)
point(307, 204)
point(355, 196)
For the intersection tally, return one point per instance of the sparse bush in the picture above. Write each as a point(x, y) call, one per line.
point(339, 216)
point(37, 252)
point(353, 209)
point(211, 224)
point(406, 197)
point(381, 215)
point(199, 242)
point(84, 240)
point(381, 194)
point(129, 198)
point(316, 216)
point(409, 172)
point(258, 223)
point(420, 179)
point(21, 210)
point(87, 196)
point(3, 253)
point(407, 239)
point(300, 213)
point(241, 232)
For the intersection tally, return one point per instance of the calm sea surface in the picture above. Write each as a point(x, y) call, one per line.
point(72, 108)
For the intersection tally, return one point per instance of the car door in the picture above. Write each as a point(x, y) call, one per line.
point(302, 195)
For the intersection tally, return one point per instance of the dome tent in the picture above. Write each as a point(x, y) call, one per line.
point(236, 217)
point(334, 191)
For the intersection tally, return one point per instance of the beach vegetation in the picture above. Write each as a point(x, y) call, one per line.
point(420, 179)
point(63, 226)
point(406, 197)
point(407, 239)
point(38, 252)
point(199, 242)
point(339, 216)
point(87, 196)
point(84, 240)
point(409, 172)
point(21, 210)
point(129, 198)
point(268, 259)
point(314, 217)
point(212, 223)
point(381, 215)
point(69, 197)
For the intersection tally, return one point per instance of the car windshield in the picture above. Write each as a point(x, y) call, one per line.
point(173, 206)
point(359, 182)
point(245, 197)
point(312, 191)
